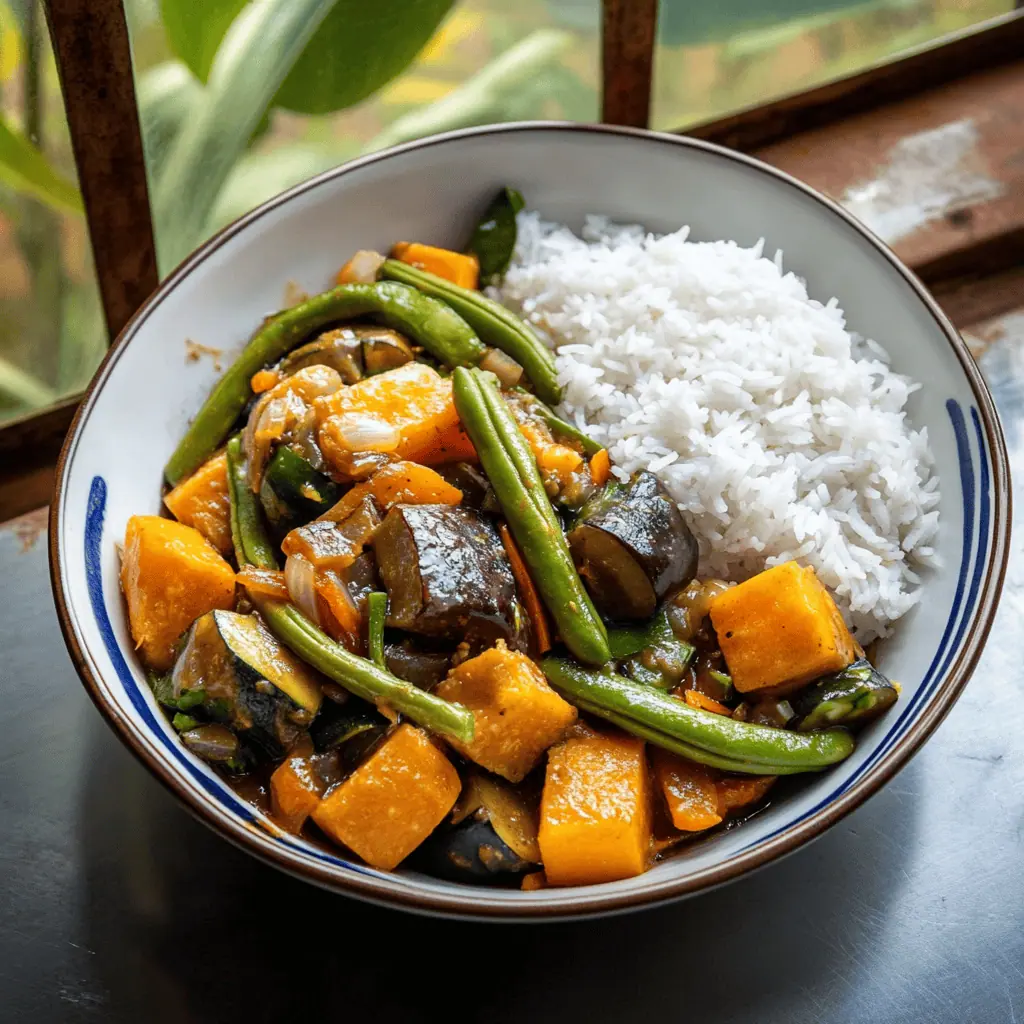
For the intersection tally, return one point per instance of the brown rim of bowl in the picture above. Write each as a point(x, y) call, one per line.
point(580, 901)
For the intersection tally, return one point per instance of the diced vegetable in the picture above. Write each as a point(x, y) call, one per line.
point(214, 743)
point(690, 791)
point(422, 668)
point(413, 401)
point(517, 715)
point(445, 570)
point(696, 699)
point(855, 695)
point(393, 801)
point(737, 792)
point(781, 629)
point(202, 501)
point(261, 689)
point(452, 266)
point(493, 835)
point(335, 545)
point(355, 352)
point(170, 575)
point(361, 268)
point(295, 789)
point(664, 659)
point(600, 467)
point(632, 547)
point(264, 582)
point(293, 492)
point(453, 445)
point(595, 822)
point(534, 882)
point(350, 730)
point(398, 483)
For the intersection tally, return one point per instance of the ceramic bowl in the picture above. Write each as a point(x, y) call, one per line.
point(148, 387)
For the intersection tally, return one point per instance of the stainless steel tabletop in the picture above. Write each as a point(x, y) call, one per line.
point(115, 905)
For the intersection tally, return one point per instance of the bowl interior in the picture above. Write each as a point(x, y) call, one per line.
point(434, 191)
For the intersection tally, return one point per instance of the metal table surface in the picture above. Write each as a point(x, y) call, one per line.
point(115, 905)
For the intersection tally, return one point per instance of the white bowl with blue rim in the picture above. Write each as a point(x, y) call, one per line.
point(148, 388)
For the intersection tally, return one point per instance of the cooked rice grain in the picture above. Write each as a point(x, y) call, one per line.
point(781, 434)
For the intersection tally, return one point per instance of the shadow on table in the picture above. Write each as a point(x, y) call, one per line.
point(186, 928)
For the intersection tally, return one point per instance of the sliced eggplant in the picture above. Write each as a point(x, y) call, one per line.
point(852, 697)
point(476, 488)
point(249, 681)
point(335, 545)
point(411, 662)
point(447, 574)
point(351, 730)
point(632, 547)
point(492, 836)
point(355, 352)
point(293, 492)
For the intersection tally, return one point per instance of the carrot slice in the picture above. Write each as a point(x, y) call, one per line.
point(696, 699)
point(452, 266)
point(735, 792)
point(690, 791)
point(335, 595)
point(601, 467)
point(531, 599)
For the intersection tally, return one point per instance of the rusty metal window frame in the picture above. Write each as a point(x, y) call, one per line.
point(92, 50)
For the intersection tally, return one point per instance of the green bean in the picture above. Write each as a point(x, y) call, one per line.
point(431, 324)
point(512, 471)
point(495, 325)
point(295, 631)
point(560, 426)
point(377, 611)
point(670, 722)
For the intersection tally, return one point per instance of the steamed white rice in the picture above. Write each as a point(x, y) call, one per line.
point(781, 434)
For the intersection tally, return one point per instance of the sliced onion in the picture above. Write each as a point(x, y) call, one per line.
point(363, 267)
point(365, 434)
point(211, 742)
point(300, 576)
point(503, 366)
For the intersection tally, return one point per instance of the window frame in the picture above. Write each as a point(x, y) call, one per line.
point(92, 49)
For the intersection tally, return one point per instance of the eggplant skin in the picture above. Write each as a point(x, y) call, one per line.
point(628, 534)
point(447, 574)
point(852, 697)
point(470, 852)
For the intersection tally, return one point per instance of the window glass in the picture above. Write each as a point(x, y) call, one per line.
point(716, 58)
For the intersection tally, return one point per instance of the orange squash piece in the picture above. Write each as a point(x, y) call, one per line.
point(202, 501)
point(295, 790)
point(392, 801)
point(453, 445)
point(457, 267)
point(601, 467)
point(533, 882)
point(736, 792)
point(780, 629)
point(170, 575)
point(414, 400)
point(550, 454)
point(398, 483)
point(690, 791)
point(516, 714)
point(595, 816)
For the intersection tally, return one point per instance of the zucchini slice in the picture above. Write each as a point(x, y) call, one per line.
point(293, 492)
point(262, 690)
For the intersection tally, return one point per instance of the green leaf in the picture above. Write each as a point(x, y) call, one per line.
point(360, 46)
point(195, 29)
point(26, 170)
point(167, 94)
point(257, 53)
point(23, 387)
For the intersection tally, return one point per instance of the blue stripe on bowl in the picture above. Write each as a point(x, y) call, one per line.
point(95, 513)
point(976, 521)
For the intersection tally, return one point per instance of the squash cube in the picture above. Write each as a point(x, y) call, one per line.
point(393, 801)
point(737, 792)
point(516, 714)
point(595, 817)
point(690, 791)
point(170, 575)
point(202, 501)
point(414, 400)
point(295, 790)
point(780, 629)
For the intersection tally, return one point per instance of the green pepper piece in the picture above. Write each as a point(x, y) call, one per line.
point(494, 238)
